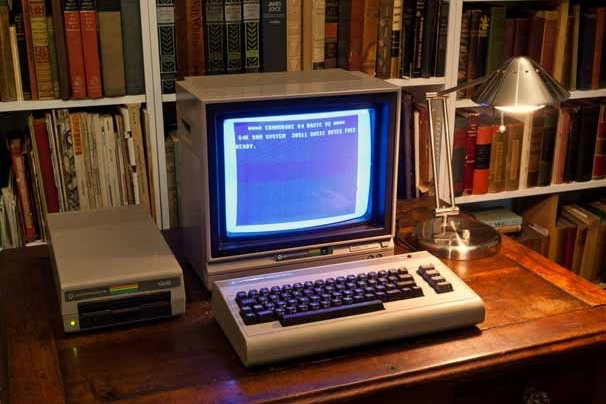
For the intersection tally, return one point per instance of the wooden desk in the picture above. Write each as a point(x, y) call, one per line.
point(545, 328)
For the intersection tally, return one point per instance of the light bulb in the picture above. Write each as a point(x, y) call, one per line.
point(520, 109)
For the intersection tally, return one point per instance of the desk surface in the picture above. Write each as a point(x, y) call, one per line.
point(534, 309)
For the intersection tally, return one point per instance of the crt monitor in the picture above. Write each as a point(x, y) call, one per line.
point(274, 180)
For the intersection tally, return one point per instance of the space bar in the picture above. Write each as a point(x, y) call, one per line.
point(331, 312)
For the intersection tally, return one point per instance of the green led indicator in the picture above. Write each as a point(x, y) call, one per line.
point(72, 323)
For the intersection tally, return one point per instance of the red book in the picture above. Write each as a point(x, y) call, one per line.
point(30, 49)
point(90, 45)
point(482, 163)
point(46, 166)
point(22, 191)
point(599, 159)
point(571, 237)
point(73, 38)
point(355, 35)
point(458, 160)
point(470, 151)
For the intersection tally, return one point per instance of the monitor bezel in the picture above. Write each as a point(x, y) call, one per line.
point(349, 231)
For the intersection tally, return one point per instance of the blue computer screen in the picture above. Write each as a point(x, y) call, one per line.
point(296, 172)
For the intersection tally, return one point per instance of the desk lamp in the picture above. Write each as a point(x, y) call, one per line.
point(519, 86)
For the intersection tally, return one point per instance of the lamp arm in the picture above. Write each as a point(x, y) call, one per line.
point(465, 85)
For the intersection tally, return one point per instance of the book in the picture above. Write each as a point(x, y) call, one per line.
point(396, 35)
point(79, 166)
point(165, 14)
point(132, 47)
point(369, 36)
point(548, 139)
point(498, 154)
point(233, 35)
point(525, 151)
point(171, 145)
point(16, 65)
point(112, 54)
point(331, 26)
point(18, 165)
point(475, 66)
point(60, 45)
point(573, 143)
point(273, 35)
point(294, 39)
point(251, 17)
point(406, 168)
point(586, 51)
point(564, 240)
point(535, 37)
point(599, 157)
point(75, 53)
point(496, 39)
point(536, 139)
point(464, 50)
point(589, 117)
point(588, 237)
point(132, 121)
point(189, 29)
point(559, 71)
point(419, 31)
point(499, 218)
point(318, 26)
point(355, 35)
point(307, 36)
point(22, 50)
point(550, 35)
point(53, 57)
point(90, 48)
point(561, 145)
point(343, 34)
point(383, 57)
point(27, 32)
point(522, 36)
point(470, 150)
point(543, 213)
point(66, 147)
point(514, 134)
point(439, 69)
point(8, 90)
point(458, 158)
point(535, 237)
point(430, 27)
point(407, 37)
point(509, 40)
point(575, 35)
point(423, 169)
point(40, 49)
point(600, 25)
point(40, 134)
point(214, 36)
point(482, 159)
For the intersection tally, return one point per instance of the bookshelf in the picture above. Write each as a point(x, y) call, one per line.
point(14, 106)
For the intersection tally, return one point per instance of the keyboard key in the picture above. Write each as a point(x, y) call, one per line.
point(443, 287)
point(249, 318)
point(292, 302)
point(372, 282)
point(340, 279)
point(329, 282)
point(308, 292)
point(390, 286)
point(241, 295)
point(351, 278)
point(369, 296)
point(265, 316)
point(264, 291)
point(302, 307)
point(332, 312)
point(269, 305)
point(395, 294)
point(436, 279)
point(258, 307)
point(348, 300)
point(362, 277)
point(407, 284)
point(382, 296)
point(308, 284)
point(405, 277)
point(325, 303)
point(279, 311)
point(247, 302)
point(262, 299)
point(314, 298)
point(351, 285)
point(287, 287)
point(314, 306)
point(297, 286)
point(336, 302)
point(392, 272)
point(358, 298)
point(252, 293)
point(417, 291)
point(303, 300)
point(246, 309)
point(319, 283)
point(381, 274)
point(402, 270)
point(372, 274)
point(291, 309)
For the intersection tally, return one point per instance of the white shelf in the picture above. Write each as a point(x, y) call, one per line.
point(416, 82)
point(574, 95)
point(169, 97)
point(551, 189)
point(12, 106)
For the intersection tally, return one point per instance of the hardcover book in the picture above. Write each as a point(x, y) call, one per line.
point(214, 36)
point(318, 26)
point(498, 154)
point(90, 47)
point(369, 36)
point(133, 52)
point(343, 34)
point(41, 50)
point(599, 159)
point(75, 53)
point(27, 32)
point(22, 50)
point(470, 149)
point(407, 40)
point(586, 50)
point(561, 145)
point(515, 132)
point(233, 35)
point(8, 90)
point(53, 57)
point(60, 45)
point(482, 159)
point(430, 34)
point(165, 11)
point(547, 146)
point(355, 35)
point(331, 27)
point(589, 117)
point(189, 28)
point(496, 39)
point(419, 30)
point(458, 158)
point(383, 61)
point(294, 40)
point(536, 138)
point(396, 35)
point(442, 41)
point(273, 34)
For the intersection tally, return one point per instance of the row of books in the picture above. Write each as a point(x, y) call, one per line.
point(70, 49)
point(386, 38)
point(65, 161)
point(568, 42)
point(553, 146)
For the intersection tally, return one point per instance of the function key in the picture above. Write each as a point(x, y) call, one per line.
point(417, 291)
point(405, 277)
point(406, 284)
point(426, 267)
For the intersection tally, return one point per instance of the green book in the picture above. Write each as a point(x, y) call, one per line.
point(496, 39)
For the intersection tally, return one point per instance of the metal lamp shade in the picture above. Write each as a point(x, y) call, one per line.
point(520, 82)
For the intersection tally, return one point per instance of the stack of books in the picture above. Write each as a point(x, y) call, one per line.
point(567, 42)
point(66, 160)
point(386, 38)
point(70, 49)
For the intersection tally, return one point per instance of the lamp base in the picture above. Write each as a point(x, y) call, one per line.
point(457, 238)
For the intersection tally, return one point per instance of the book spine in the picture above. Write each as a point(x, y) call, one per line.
point(575, 35)
point(8, 90)
point(233, 35)
point(588, 134)
point(598, 47)
point(182, 28)
point(496, 39)
point(396, 37)
point(419, 30)
point(22, 49)
point(573, 143)
point(60, 49)
point(132, 46)
point(522, 36)
point(560, 59)
point(331, 28)
point(307, 35)
point(79, 167)
point(196, 37)
point(559, 150)
point(535, 39)
point(294, 40)
point(90, 49)
point(343, 34)
point(464, 50)
point(509, 40)
point(251, 15)
point(496, 171)
point(550, 36)
point(442, 42)
point(41, 51)
point(369, 36)
point(470, 152)
point(53, 57)
point(535, 149)
point(18, 163)
point(383, 61)
point(73, 38)
point(482, 163)
point(599, 159)
point(273, 34)
point(406, 176)
point(69, 168)
point(214, 36)
point(16, 64)
point(480, 24)
point(458, 161)
point(585, 58)
point(430, 27)
point(355, 35)
point(407, 38)
point(134, 113)
point(27, 29)
point(514, 151)
point(547, 147)
point(318, 26)
point(165, 11)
